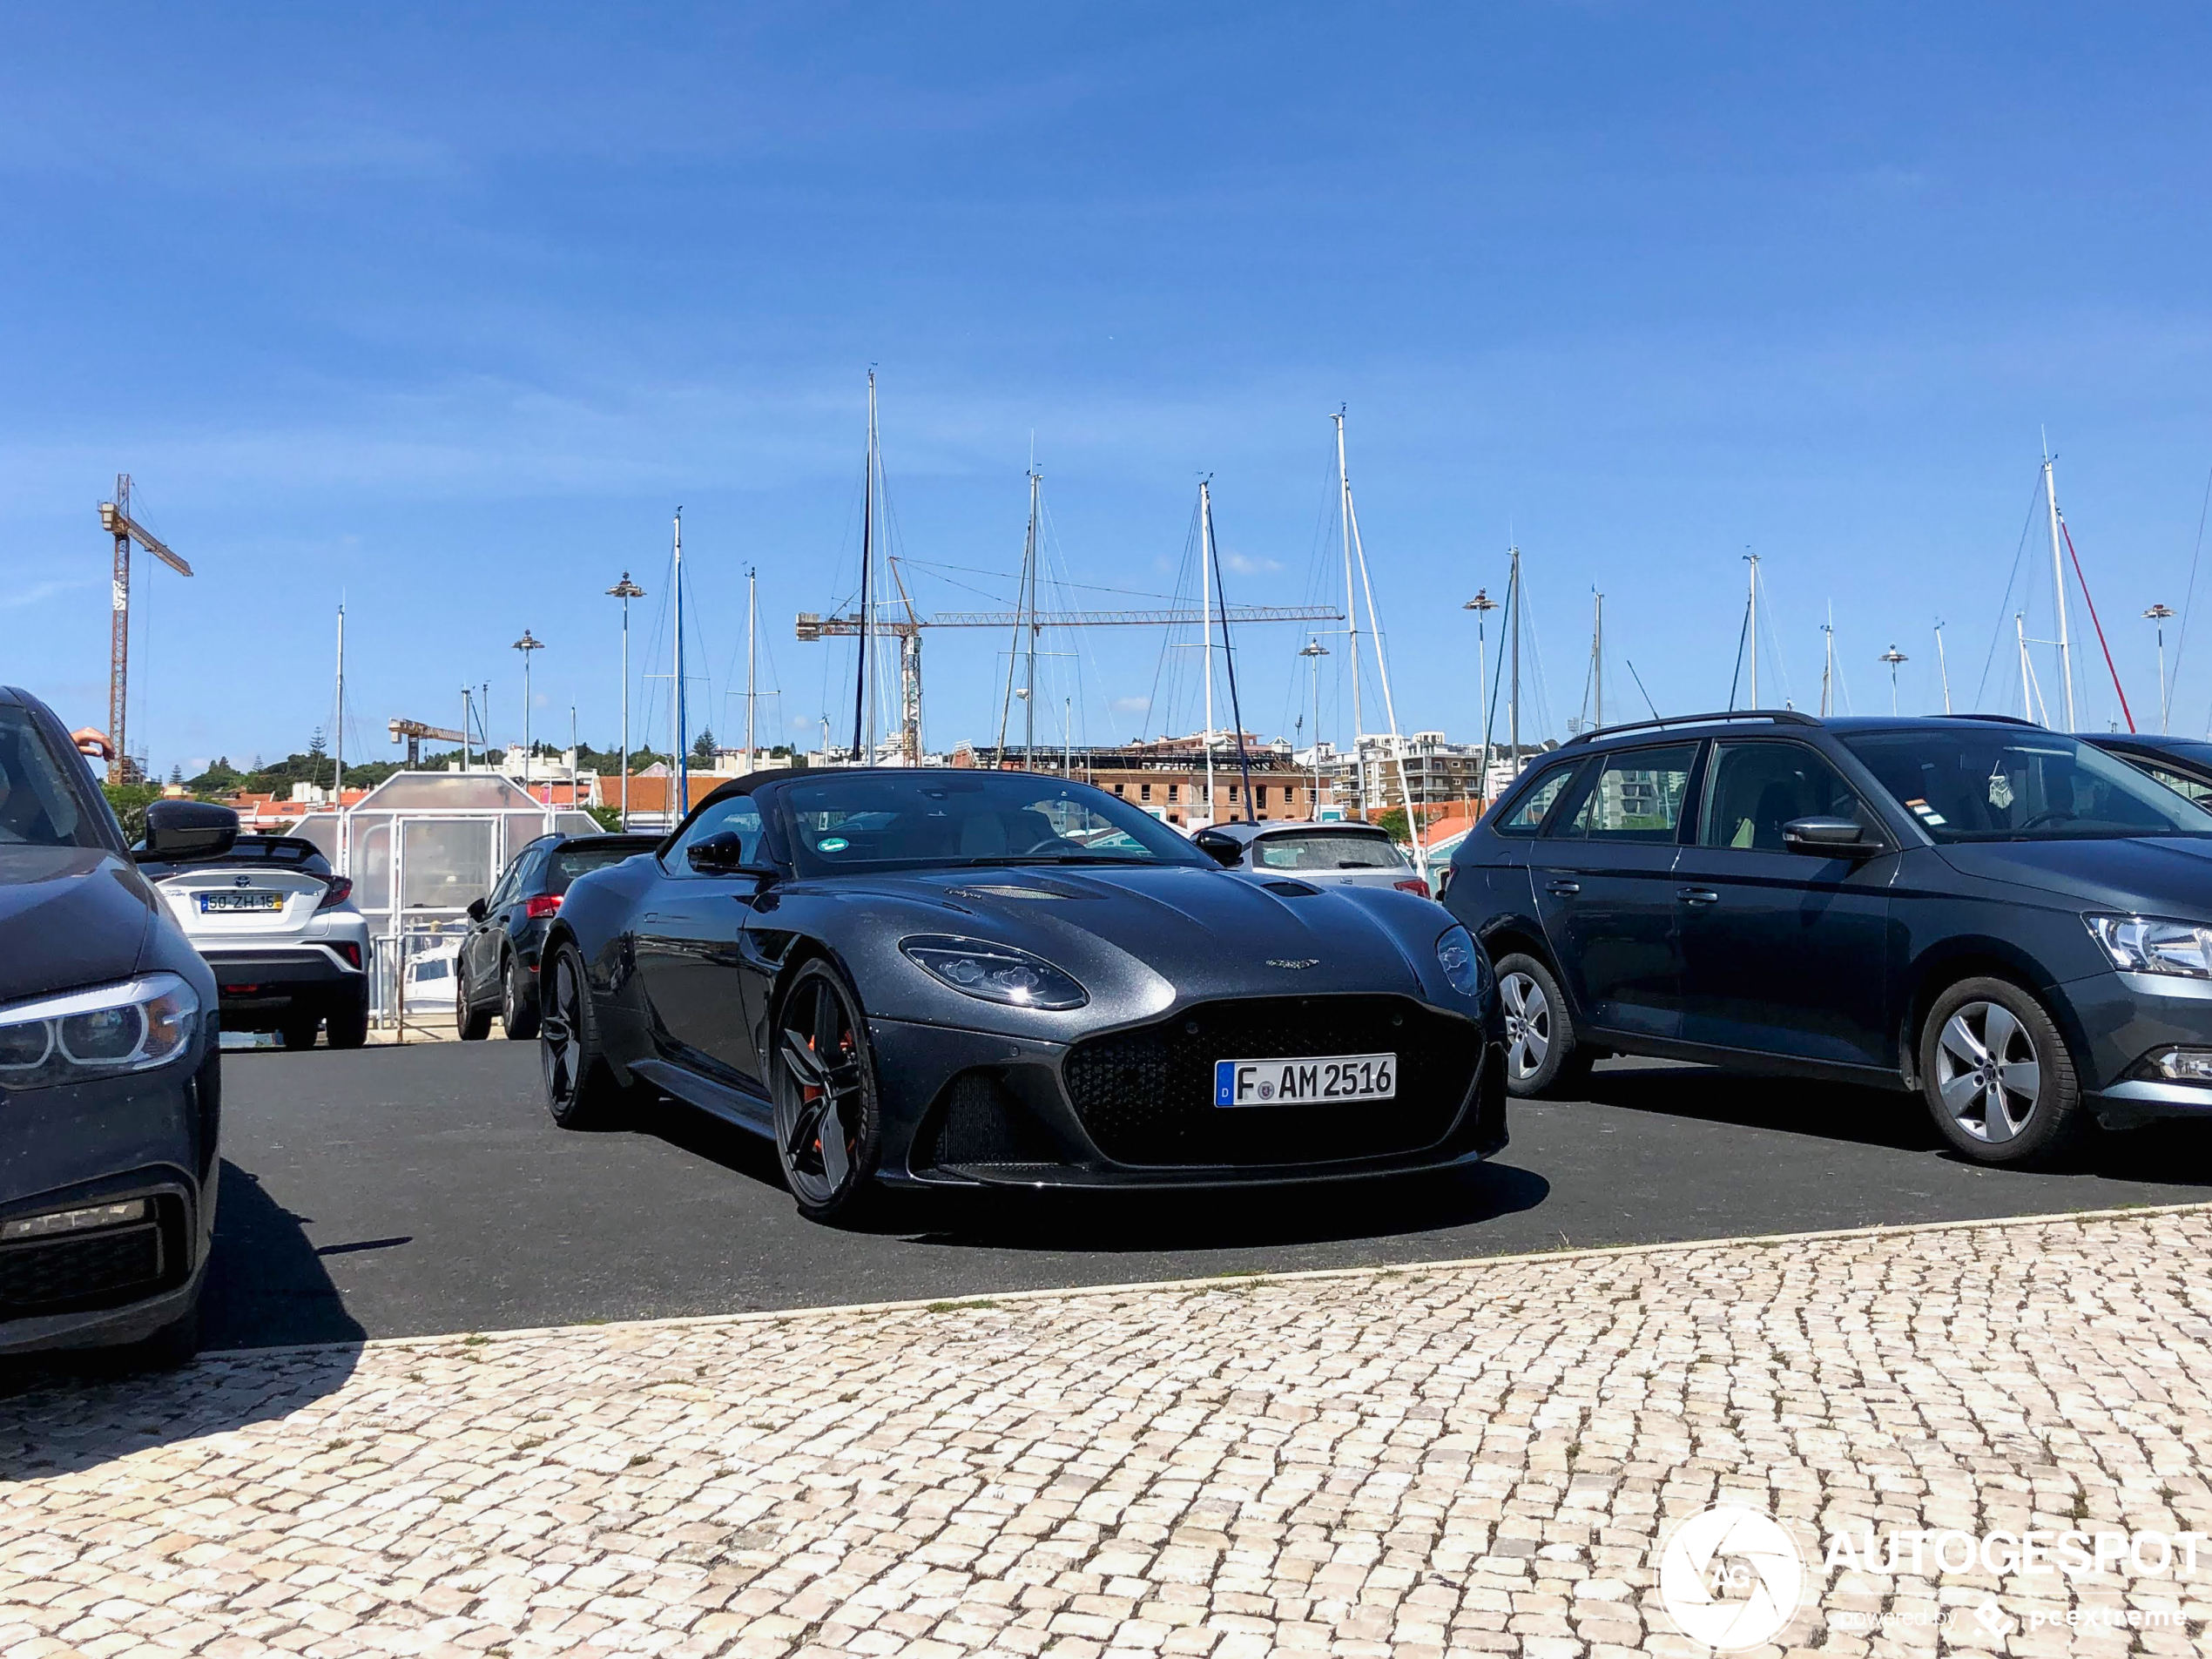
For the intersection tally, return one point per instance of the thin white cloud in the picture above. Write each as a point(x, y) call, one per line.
point(1250, 564)
point(38, 592)
point(1131, 705)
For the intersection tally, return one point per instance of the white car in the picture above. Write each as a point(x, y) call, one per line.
point(1330, 855)
point(289, 949)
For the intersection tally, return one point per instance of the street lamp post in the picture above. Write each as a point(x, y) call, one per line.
point(1314, 650)
point(2159, 614)
point(626, 591)
point(1482, 604)
point(1893, 656)
point(526, 645)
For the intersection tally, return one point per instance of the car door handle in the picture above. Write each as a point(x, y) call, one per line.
point(1564, 889)
point(1698, 896)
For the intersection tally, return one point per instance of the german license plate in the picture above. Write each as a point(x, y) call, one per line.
point(1320, 1080)
point(250, 899)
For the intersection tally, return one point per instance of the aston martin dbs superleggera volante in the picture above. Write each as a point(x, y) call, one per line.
point(951, 978)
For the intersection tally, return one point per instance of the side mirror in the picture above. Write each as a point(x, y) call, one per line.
point(1225, 850)
point(1828, 838)
point(181, 831)
point(724, 854)
point(478, 910)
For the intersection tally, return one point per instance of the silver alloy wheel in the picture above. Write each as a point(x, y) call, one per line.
point(1987, 1073)
point(1528, 1025)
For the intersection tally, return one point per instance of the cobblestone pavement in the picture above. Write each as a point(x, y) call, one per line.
point(1476, 1458)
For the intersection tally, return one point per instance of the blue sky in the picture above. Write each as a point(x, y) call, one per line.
point(448, 308)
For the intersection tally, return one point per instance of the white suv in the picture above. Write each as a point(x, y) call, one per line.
point(289, 949)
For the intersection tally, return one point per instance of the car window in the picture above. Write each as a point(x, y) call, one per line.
point(39, 808)
point(503, 892)
point(2012, 783)
point(2189, 788)
point(1634, 796)
point(1528, 815)
point(1753, 789)
point(740, 813)
point(1328, 850)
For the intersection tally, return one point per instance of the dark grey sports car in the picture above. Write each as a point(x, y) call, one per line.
point(947, 978)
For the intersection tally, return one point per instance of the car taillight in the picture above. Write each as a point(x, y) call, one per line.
point(349, 950)
point(340, 890)
point(545, 904)
point(1412, 884)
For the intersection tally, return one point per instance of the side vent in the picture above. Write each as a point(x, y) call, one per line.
point(1291, 889)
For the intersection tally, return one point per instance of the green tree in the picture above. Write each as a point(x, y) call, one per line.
point(130, 802)
point(702, 748)
point(1393, 823)
point(609, 818)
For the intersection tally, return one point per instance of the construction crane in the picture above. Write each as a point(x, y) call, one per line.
point(411, 732)
point(116, 520)
point(908, 631)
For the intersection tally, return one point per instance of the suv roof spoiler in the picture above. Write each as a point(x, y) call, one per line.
point(2001, 719)
point(1779, 716)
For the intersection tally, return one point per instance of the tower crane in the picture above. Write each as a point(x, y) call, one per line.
point(411, 732)
point(116, 520)
point(907, 630)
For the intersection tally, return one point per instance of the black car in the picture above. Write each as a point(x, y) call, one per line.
point(498, 962)
point(970, 978)
point(2008, 920)
point(111, 1080)
point(2181, 764)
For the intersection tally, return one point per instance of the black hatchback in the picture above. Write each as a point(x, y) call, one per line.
point(498, 966)
point(2011, 921)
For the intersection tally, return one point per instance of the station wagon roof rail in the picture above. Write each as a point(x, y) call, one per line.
point(1779, 716)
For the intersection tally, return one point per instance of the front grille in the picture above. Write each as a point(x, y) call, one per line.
point(1146, 1096)
point(53, 1274)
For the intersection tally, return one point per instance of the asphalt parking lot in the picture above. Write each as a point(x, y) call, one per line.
point(423, 1190)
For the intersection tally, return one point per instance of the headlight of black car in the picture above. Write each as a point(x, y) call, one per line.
point(105, 1032)
point(995, 973)
point(1462, 959)
point(2152, 945)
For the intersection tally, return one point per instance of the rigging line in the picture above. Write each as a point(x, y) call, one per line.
point(2181, 645)
point(1235, 715)
point(1638, 678)
point(1168, 641)
point(2067, 531)
point(1742, 630)
point(2004, 608)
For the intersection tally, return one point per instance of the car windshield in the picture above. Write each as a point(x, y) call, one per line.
point(862, 819)
point(575, 857)
point(39, 808)
point(2011, 783)
point(1326, 850)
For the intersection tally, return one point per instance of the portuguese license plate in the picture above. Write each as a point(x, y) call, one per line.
point(248, 899)
point(1320, 1080)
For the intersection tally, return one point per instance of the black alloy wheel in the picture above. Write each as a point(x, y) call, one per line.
point(827, 1123)
point(470, 1023)
point(581, 1092)
point(347, 1028)
point(518, 1013)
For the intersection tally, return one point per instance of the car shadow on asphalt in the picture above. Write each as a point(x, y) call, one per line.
point(2171, 1153)
point(266, 1285)
point(1119, 1223)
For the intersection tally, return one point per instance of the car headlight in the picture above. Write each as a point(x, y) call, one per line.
point(995, 973)
point(2151, 945)
point(1463, 961)
point(103, 1032)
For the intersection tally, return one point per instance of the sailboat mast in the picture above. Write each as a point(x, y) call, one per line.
point(1205, 612)
point(1512, 704)
point(751, 644)
point(1827, 660)
point(861, 710)
point(681, 804)
point(1943, 665)
point(1752, 559)
point(1390, 707)
point(338, 744)
point(1597, 661)
point(1352, 621)
point(1029, 701)
point(2027, 679)
point(2058, 581)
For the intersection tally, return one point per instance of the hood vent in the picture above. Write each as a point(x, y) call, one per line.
point(1292, 889)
